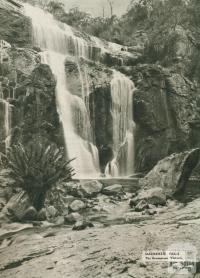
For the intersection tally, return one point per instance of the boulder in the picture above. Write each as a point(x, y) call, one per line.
point(17, 206)
point(67, 200)
point(153, 196)
point(115, 189)
point(30, 214)
point(91, 188)
point(73, 218)
point(142, 205)
point(172, 172)
point(73, 189)
point(51, 212)
point(77, 205)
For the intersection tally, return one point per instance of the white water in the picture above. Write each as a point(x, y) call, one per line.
point(7, 110)
point(57, 41)
point(123, 126)
point(7, 124)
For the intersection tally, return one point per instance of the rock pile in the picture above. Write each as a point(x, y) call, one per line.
point(147, 201)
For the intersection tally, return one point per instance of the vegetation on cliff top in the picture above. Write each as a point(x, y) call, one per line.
point(154, 16)
point(154, 26)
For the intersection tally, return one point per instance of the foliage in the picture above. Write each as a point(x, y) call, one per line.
point(151, 16)
point(56, 8)
point(36, 168)
point(149, 23)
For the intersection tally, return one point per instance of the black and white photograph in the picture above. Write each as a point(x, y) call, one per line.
point(99, 138)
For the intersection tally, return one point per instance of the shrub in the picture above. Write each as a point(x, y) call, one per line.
point(36, 168)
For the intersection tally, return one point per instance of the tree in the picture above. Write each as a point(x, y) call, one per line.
point(110, 3)
point(56, 8)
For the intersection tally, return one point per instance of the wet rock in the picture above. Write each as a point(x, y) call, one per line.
point(17, 206)
point(101, 119)
point(91, 188)
point(77, 205)
point(73, 218)
point(172, 172)
point(113, 190)
point(42, 215)
point(82, 225)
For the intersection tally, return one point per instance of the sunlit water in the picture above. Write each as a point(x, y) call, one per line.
point(57, 40)
point(122, 89)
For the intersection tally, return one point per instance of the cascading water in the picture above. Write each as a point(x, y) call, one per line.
point(7, 123)
point(7, 108)
point(57, 41)
point(123, 126)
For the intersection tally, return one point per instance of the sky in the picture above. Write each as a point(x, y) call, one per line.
point(95, 7)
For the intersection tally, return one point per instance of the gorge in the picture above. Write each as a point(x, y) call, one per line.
point(99, 139)
point(58, 44)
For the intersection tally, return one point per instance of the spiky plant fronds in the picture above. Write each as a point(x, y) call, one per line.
point(37, 167)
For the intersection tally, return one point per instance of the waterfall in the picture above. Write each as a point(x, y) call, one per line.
point(123, 126)
point(7, 124)
point(57, 41)
point(6, 121)
point(6, 116)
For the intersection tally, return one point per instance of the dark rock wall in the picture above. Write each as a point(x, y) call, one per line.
point(35, 108)
point(97, 78)
point(165, 107)
point(101, 118)
point(166, 111)
point(29, 87)
point(166, 103)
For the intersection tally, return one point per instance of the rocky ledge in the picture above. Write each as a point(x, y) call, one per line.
point(94, 229)
point(114, 251)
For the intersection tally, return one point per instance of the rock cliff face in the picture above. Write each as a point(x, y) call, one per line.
point(35, 108)
point(92, 82)
point(27, 88)
point(165, 111)
point(166, 103)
